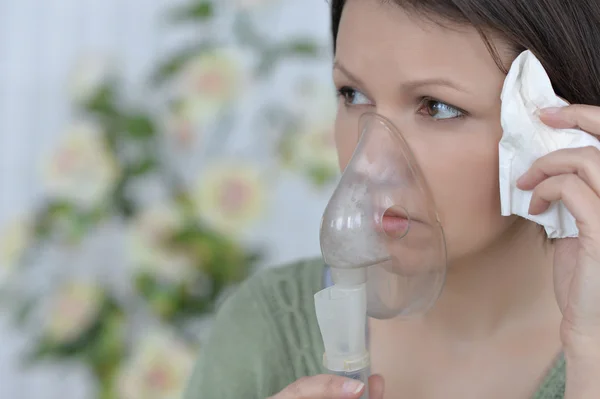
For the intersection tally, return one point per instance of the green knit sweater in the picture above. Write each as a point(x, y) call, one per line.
point(266, 336)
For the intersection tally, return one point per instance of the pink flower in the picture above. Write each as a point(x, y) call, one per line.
point(230, 196)
point(72, 311)
point(81, 170)
point(158, 369)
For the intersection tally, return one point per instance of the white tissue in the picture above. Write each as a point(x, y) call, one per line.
point(527, 89)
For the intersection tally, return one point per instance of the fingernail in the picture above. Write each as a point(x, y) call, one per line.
point(550, 110)
point(521, 179)
point(352, 386)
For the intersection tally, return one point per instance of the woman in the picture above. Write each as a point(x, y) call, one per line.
point(519, 316)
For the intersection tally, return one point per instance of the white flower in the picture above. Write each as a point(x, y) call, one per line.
point(315, 148)
point(159, 369)
point(312, 148)
point(230, 196)
point(147, 248)
point(81, 170)
point(90, 73)
point(213, 78)
point(13, 243)
point(72, 311)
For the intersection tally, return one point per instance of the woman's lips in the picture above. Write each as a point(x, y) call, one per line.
point(395, 222)
point(395, 226)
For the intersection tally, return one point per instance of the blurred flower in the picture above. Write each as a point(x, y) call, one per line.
point(311, 152)
point(212, 79)
point(159, 369)
point(73, 311)
point(89, 75)
point(230, 196)
point(311, 149)
point(315, 148)
point(187, 123)
point(148, 250)
point(81, 170)
point(13, 243)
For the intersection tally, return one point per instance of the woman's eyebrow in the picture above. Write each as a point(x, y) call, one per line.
point(433, 81)
point(337, 65)
point(410, 85)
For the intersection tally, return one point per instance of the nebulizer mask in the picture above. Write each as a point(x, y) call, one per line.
point(383, 242)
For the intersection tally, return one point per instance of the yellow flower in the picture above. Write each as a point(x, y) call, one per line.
point(230, 196)
point(212, 78)
point(159, 369)
point(13, 243)
point(72, 311)
point(147, 249)
point(81, 170)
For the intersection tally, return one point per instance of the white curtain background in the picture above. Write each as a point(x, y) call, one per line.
point(40, 40)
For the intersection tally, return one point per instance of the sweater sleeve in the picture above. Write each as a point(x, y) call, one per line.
point(241, 354)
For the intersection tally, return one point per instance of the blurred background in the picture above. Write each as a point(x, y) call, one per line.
point(153, 154)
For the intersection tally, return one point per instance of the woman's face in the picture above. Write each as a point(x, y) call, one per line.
point(441, 89)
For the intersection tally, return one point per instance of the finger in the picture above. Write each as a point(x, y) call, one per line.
point(584, 162)
point(376, 387)
point(578, 197)
point(584, 117)
point(323, 386)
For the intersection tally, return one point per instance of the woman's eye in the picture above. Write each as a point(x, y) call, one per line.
point(353, 97)
point(439, 110)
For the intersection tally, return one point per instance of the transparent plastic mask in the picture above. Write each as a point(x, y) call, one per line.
point(381, 223)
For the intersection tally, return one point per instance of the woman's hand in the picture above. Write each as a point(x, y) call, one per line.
point(573, 176)
point(325, 386)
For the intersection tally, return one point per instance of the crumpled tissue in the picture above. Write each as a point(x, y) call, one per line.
point(525, 138)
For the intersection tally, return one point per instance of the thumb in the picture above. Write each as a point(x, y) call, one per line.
point(376, 387)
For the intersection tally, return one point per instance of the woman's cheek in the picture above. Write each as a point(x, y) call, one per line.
point(346, 138)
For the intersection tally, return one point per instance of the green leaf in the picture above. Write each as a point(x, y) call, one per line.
point(143, 167)
point(41, 350)
point(302, 47)
point(198, 11)
point(299, 47)
point(124, 205)
point(176, 62)
point(46, 216)
point(185, 236)
point(145, 285)
point(321, 176)
point(165, 303)
point(245, 33)
point(139, 126)
point(23, 311)
point(60, 208)
point(78, 227)
point(267, 63)
point(107, 349)
point(104, 102)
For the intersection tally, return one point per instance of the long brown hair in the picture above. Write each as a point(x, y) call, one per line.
point(563, 34)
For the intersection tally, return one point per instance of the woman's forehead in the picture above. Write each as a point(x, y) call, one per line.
point(382, 39)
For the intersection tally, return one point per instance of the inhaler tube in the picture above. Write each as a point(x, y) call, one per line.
point(361, 375)
point(341, 314)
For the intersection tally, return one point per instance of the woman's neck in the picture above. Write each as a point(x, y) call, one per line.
point(507, 286)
